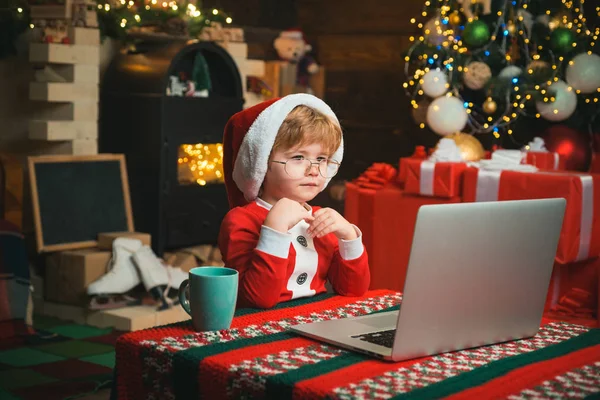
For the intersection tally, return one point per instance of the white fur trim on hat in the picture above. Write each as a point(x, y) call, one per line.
point(252, 159)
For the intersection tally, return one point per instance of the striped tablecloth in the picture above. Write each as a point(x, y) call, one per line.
point(259, 358)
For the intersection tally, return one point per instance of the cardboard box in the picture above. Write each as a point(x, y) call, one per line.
point(69, 273)
point(58, 53)
point(63, 92)
point(105, 240)
point(62, 130)
point(196, 256)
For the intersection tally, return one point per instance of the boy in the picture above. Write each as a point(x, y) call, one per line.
point(278, 155)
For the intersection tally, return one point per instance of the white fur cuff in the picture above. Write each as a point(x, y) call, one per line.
point(352, 249)
point(274, 242)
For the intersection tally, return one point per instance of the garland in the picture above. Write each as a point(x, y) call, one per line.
point(118, 18)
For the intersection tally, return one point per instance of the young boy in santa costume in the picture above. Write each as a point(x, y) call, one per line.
point(278, 155)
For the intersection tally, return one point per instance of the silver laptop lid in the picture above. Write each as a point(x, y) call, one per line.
point(478, 274)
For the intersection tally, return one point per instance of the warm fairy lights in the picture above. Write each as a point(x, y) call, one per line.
point(200, 163)
point(442, 46)
point(127, 14)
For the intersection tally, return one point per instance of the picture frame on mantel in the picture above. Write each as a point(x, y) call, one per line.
point(75, 198)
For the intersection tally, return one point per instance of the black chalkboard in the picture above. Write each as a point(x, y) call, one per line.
point(77, 197)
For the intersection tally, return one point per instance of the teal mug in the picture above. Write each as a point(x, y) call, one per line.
point(212, 297)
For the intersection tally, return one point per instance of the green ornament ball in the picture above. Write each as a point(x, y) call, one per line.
point(561, 40)
point(476, 33)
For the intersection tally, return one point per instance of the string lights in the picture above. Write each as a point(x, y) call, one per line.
point(116, 18)
point(528, 56)
point(129, 15)
point(200, 164)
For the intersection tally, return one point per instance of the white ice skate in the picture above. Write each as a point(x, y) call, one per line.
point(157, 277)
point(122, 276)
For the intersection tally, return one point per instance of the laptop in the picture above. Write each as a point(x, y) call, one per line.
point(478, 274)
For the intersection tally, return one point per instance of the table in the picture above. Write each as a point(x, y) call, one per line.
point(259, 357)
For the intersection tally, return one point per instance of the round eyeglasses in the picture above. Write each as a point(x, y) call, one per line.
point(298, 167)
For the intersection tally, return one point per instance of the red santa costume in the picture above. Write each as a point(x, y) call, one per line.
point(276, 266)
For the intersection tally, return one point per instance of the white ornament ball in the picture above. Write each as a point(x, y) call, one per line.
point(543, 19)
point(510, 72)
point(434, 31)
point(447, 115)
point(563, 106)
point(583, 73)
point(527, 19)
point(476, 75)
point(435, 83)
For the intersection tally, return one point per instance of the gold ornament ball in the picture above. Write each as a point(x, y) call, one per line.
point(476, 75)
point(490, 106)
point(454, 18)
point(471, 149)
point(420, 113)
point(537, 65)
point(511, 28)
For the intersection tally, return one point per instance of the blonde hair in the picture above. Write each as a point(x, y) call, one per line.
point(305, 125)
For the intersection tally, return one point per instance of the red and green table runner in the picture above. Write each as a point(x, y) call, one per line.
point(258, 357)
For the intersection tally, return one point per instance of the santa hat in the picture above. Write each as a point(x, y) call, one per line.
point(248, 140)
point(293, 33)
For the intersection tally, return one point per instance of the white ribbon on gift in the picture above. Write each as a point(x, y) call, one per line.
point(488, 185)
point(446, 151)
point(427, 176)
point(556, 160)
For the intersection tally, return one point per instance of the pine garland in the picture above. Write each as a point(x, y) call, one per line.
point(118, 18)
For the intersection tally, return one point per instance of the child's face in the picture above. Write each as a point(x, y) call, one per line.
point(299, 183)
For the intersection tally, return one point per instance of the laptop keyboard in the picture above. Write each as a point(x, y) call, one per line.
point(382, 338)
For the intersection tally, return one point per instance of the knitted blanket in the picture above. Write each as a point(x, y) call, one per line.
point(258, 357)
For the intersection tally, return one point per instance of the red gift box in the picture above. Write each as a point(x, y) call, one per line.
point(595, 164)
point(573, 291)
point(546, 160)
point(387, 218)
point(426, 178)
point(580, 234)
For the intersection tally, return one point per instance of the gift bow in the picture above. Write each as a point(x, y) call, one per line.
point(377, 176)
point(506, 160)
point(537, 144)
point(446, 151)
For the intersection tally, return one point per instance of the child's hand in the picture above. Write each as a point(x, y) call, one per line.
point(327, 221)
point(285, 214)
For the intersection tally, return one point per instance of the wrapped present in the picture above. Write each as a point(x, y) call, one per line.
point(420, 153)
point(573, 290)
point(538, 155)
point(580, 235)
point(437, 179)
point(386, 217)
point(595, 164)
point(546, 160)
point(377, 176)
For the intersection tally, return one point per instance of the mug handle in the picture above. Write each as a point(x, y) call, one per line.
point(183, 300)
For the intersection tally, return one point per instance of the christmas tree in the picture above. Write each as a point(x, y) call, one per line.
point(505, 70)
point(201, 75)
